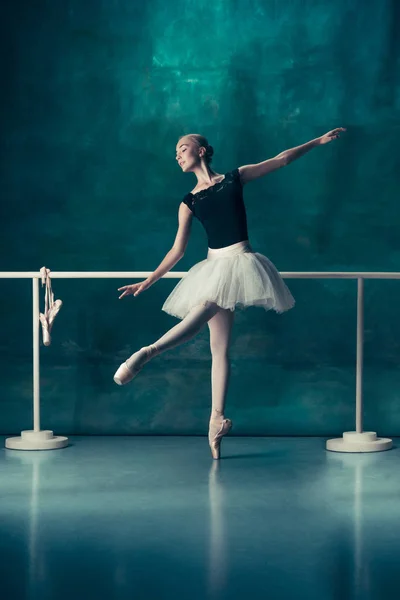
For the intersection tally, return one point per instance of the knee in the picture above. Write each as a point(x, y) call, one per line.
point(219, 350)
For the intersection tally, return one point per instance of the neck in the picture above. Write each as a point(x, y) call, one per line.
point(205, 174)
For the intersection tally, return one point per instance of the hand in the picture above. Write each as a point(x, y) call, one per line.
point(331, 135)
point(135, 288)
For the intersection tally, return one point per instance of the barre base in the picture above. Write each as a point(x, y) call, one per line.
point(36, 440)
point(359, 442)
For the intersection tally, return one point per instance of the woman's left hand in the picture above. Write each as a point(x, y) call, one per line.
point(331, 135)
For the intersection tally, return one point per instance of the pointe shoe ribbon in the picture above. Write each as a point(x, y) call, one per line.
point(215, 438)
point(124, 374)
point(51, 307)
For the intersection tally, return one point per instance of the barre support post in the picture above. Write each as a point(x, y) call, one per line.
point(359, 440)
point(36, 439)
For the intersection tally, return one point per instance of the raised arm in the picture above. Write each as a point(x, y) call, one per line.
point(250, 172)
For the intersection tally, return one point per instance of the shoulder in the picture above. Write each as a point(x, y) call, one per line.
point(235, 175)
point(188, 200)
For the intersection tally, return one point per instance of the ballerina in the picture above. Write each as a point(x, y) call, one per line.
point(232, 275)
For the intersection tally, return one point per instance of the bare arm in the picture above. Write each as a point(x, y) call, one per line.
point(173, 256)
point(250, 172)
point(169, 261)
point(179, 246)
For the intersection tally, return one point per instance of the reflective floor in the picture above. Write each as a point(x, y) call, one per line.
point(144, 518)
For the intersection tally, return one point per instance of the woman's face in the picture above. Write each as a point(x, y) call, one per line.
point(187, 154)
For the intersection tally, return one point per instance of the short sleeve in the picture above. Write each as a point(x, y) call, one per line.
point(188, 200)
point(236, 175)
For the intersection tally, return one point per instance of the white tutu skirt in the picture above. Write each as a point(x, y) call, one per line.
point(232, 277)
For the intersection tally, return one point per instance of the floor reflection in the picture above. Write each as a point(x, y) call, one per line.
point(217, 569)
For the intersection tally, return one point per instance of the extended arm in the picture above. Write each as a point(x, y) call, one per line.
point(250, 172)
point(292, 154)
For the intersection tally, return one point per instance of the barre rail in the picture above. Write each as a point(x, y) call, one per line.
point(352, 441)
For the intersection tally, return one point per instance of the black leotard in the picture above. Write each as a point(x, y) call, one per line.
point(221, 211)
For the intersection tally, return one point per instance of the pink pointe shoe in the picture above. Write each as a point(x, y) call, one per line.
point(124, 374)
point(215, 435)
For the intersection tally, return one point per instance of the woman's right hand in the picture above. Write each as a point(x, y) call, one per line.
point(135, 288)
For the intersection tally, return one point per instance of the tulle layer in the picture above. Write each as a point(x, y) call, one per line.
point(233, 277)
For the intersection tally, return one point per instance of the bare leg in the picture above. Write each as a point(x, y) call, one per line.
point(220, 336)
point(188, 327)
point(180, 333)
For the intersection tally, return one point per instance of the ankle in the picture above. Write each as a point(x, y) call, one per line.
point(152, 350)
point(216, 415)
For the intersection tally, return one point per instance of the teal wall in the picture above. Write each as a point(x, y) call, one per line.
point(94, 97)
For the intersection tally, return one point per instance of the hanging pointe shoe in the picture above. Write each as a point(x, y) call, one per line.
point(130, 368)
point(216, 432)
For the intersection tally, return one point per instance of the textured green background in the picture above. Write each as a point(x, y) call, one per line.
point(93, 98)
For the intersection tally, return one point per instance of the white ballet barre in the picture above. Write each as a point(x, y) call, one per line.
point(351, 441)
